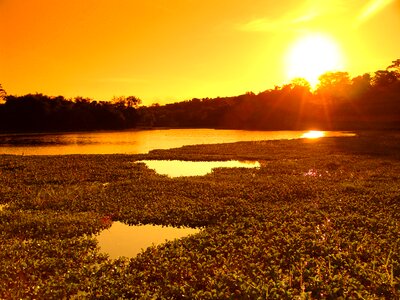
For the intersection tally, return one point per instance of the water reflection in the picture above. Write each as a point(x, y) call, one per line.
point(133, 141)
point(177, 168)
point(315, 134)
point(124, 240)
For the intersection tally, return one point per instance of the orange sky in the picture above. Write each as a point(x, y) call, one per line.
point(171, 50)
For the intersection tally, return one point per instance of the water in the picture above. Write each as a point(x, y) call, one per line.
point(124, 240)
point(121, 239)
point(135, 141)
point(177, 168)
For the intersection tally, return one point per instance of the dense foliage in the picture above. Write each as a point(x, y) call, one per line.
point(37, 112)
point(319, 219)
point(338, 102)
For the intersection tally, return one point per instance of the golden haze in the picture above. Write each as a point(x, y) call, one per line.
point(163, 51)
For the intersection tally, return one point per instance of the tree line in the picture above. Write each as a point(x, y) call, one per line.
point(38, 112)
point(368, 101)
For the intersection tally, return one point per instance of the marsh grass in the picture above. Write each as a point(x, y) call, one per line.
point(319, 219)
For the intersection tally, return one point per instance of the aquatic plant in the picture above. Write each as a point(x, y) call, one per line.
point(319, 219)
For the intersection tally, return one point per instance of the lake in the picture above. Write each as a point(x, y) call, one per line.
point(138, 141)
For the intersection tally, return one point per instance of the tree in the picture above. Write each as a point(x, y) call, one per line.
point(394, 68)
point(334, 85)
point(3, 94)
point(130, 101)
point(300, 82)
point(333, 80)
point(362, 82)
point(384, 78)
point(133, 101)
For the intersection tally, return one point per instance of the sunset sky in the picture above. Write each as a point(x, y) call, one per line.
point(172, 50)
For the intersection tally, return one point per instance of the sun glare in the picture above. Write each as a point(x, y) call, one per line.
point(313, 134)
point(311, 56)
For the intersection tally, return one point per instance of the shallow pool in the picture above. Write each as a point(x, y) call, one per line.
point(177, 168)
point(125, 240)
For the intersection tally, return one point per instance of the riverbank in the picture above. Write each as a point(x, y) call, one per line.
point(320, 218)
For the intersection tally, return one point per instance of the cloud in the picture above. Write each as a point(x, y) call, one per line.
point(370, 9)
point(265, 24)
point(313, 10)
point(307, 12)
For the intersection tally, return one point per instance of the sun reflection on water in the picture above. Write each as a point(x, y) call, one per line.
point(313, 134)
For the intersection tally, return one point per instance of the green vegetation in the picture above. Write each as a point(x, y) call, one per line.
point(319, 219)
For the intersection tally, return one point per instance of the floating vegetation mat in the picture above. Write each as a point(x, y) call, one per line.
point(318, 219)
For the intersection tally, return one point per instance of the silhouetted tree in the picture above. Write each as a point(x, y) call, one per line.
point(384, 78)
point(394, 68)
point(339, 102)
point(334, 85)
point(361, 84)
point(130, 101)
point(3, 94)
point(300, 82)
point(37, 112)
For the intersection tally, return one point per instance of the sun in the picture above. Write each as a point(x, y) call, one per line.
point(311, 56)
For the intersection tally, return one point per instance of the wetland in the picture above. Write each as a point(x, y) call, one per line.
point(319, 218)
